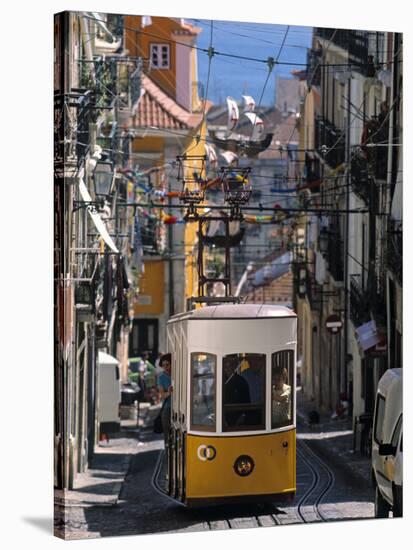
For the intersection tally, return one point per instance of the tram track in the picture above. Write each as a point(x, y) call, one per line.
point(318, 489)
point(322, 481)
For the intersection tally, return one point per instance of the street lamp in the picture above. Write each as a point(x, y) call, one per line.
point(103, 177)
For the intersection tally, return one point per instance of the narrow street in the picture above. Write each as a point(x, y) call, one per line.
point(227, 246)
point(325, 491)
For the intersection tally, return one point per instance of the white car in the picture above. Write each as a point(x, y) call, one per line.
point(387, 445)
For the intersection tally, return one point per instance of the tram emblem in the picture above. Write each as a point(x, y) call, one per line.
point(206, 452)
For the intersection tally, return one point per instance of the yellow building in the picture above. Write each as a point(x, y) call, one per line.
point(168, 121)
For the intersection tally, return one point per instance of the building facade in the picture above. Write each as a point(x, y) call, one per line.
point(352, 136)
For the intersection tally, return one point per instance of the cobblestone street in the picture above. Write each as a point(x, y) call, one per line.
point(105, 505)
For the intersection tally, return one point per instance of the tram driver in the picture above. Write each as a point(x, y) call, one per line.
point(236, 391)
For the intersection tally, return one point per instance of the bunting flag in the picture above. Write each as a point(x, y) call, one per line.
point(146, 21)
point(249, 103)
point(137, 256)
point(233, 113)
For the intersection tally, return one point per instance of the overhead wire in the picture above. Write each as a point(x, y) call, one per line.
point(235, 56)
point(271, 64)
point(208, 82)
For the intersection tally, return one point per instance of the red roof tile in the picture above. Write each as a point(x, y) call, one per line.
point(156, 108)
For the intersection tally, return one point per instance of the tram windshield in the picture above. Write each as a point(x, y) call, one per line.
point(282, 372)
point(243, 392)
point(203, 414)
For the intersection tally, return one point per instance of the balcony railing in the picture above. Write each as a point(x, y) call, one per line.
point(367, 303)
point(360, 181)
point(356, 43)
point(312, 173)
point(327, 134)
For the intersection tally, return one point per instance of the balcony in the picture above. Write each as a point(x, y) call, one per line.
point(356, 43)
point(360, 181)
point(374, 145)
point(335, 256)
point(359, 302)
point(109, 140)
point(73, 112)
point(367, 303)
point(312, 172)
point(327, 134)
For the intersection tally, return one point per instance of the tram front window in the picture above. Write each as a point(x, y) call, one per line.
point(282, 371)
point(203, 413)
point(243, 392)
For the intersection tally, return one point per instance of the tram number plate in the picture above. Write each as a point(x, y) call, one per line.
point(206, 452)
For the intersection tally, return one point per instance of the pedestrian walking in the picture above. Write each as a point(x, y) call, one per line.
point(165, 390)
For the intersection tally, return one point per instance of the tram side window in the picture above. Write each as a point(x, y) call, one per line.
point(203, 384)
point(282, 372)
point(243, 392)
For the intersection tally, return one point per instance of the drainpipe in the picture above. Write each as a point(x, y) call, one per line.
point(343, 366)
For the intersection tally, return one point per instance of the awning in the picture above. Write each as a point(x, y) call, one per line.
point(272, 271)
point(97, 220)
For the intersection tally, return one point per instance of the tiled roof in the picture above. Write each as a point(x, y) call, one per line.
point(285, 132)
point(156, 108)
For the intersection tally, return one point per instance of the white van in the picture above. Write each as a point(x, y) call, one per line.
point(387, 445)
point(109, 395)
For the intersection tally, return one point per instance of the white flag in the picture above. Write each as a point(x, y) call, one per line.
point(233, 113)
point(258, 125)
point(146, 21)
point(249, 103)
point(229, 156)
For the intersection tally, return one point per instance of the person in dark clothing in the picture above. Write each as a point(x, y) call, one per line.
point(165, 390)
point(236, 391)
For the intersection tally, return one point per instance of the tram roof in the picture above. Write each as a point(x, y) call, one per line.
point(236, 311)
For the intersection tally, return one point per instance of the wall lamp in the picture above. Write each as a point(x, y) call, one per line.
point(103, 178)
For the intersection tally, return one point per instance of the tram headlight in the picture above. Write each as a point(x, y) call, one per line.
point(244, 465)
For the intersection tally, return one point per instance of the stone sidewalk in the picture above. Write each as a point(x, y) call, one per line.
point(101, 484)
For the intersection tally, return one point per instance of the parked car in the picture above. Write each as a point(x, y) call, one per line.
point(387, 445)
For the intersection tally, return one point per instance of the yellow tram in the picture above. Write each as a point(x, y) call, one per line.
point(233, 420)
